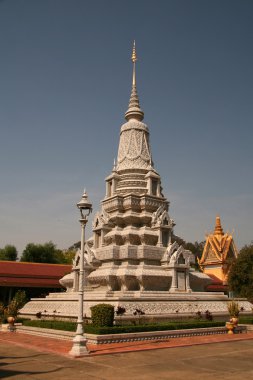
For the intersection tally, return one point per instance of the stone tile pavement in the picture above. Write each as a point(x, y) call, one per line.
point(62, 347)
point(226, 360)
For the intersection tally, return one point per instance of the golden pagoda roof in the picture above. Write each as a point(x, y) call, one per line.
point(219, 243)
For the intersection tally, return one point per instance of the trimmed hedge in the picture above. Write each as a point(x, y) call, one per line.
point(102, 315)
point(246, 320)
point(51, 324)
point(91, 329)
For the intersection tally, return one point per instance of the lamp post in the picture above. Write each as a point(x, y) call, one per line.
point(79, 342)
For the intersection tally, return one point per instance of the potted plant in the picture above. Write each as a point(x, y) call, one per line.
point(4, 317)
point(230, 327)
point(12, 313)
point(234, 310)
point(9, 313)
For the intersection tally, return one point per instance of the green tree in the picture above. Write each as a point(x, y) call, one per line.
point(240, 278)
point(197, 249)
point(75, 246)
point(8, 253)
point(68, 256)
point(42, 253)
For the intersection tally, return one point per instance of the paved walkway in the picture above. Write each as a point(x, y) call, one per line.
point(231, 360)
point(62, 347)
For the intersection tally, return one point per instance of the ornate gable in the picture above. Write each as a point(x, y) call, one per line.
point(218, 250)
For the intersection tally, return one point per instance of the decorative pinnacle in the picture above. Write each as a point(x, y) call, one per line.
point(218, 229)
point(134, 111)
point(134, 59)
point(114, 165)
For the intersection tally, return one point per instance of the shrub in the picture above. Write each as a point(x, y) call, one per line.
point(3, 316)
point(138, 312)
point(102, 315)
point(120, 311)
point(51, 324)
point(14, 306)
point(208, 315)
point(233, 309)
point(246, 320)
point(18, 301)
point(198, 315)
point(91, 329)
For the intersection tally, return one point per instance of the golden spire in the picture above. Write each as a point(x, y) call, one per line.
point(134, 111)
point(134, 59)
point(218, 229)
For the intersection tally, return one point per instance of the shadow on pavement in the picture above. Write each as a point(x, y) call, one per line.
point(21, 357)
point(4, 373)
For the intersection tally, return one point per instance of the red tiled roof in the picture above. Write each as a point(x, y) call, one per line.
point(220, 288)
point(216, 285)
point(31, 274)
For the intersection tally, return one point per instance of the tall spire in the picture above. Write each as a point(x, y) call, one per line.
point(134, 111)
point(134, 59)
point(218, 229)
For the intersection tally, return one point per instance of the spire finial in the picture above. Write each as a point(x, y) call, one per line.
point(218, 229)
point(114, 165)
point(134, 59)
point(134, 111)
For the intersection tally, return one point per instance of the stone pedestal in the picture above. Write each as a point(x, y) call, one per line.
point(79, 347)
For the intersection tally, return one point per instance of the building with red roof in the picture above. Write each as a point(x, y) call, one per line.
point(37, 279)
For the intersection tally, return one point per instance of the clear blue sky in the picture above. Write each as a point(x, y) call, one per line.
point(65, 80)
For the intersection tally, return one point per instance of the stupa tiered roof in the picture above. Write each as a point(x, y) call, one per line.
point(218, 253)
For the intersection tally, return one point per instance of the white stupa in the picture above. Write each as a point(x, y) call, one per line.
point(132, 259)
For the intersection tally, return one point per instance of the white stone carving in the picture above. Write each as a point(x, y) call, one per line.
point(134, 150)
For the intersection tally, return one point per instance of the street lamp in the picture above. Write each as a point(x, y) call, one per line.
point(79, 342)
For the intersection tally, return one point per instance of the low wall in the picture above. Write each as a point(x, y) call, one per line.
point(158, 335)
point(128, 337)
point(50, 333)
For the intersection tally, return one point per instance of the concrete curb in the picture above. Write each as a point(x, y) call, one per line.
point(127, 337)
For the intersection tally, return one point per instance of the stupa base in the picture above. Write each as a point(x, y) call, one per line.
point(65, 305)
